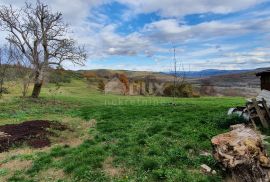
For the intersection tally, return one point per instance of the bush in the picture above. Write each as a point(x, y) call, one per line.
point(89, 75)
point(101, 86)
point(181, 90)
point(4, 90)
point(124, 79)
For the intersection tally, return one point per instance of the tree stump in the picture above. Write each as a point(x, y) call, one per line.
point(242, 154)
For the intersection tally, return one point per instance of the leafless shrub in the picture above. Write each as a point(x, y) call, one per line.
point(180, 87)
point(24, 72)
point(6, 60)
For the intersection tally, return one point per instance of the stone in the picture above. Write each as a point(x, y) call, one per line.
point(205, 168)
point(205, 153)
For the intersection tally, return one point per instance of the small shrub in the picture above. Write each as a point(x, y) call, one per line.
point(101, 86)
point(89, 75)
point(180, 90)
point(124, 79)
point(4, 90)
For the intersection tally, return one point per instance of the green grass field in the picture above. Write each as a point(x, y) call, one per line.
point(122, 138)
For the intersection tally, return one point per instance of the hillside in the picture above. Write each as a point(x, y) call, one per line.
point(208, 73)
point(217, 77)
point(244, 84)
point(130, 74)
point(227, 83)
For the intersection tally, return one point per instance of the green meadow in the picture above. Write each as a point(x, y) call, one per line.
point(116, 138)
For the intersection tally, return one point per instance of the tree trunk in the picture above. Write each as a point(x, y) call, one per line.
point(36, 90)
point(38, 84)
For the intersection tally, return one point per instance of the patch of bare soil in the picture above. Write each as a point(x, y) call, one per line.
point(33, 133)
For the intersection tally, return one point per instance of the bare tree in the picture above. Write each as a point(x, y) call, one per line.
point(6, 59)
point(42, 36)
point(179, 75)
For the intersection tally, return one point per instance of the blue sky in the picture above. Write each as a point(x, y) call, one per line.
point(139, 35)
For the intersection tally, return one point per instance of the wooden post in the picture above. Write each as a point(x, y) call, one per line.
point(266, 108)
point(249, 108)
point(260, 114)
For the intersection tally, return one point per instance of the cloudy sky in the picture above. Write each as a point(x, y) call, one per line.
point(140, 34)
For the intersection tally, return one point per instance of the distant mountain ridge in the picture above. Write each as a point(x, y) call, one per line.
point(208, 73)
point(188, 74)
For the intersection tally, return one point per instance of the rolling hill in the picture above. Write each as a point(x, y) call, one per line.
point(226, 82)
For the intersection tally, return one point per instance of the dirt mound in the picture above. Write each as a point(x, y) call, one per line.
point(33, 133)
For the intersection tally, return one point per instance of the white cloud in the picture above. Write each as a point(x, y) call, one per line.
point(131, 44)
point(102, 40)
point(73, 11)
point(170, 30)
point(176, 8)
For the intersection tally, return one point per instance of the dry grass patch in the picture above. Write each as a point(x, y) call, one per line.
point(17, 165)
point(12, 166)
point(76, 134)
point(52, 175)
point(20, 152)
point(112, 170)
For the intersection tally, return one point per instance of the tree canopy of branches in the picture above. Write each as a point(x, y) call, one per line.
point(42, 36)
point(124, 79)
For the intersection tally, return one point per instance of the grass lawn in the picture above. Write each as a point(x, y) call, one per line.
point(116, 138)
